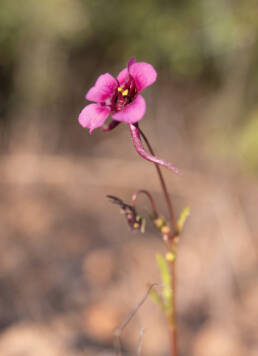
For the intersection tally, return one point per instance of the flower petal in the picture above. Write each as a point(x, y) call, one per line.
point(93, 116)
point(132, 112)
point(131, 61)
point(143, 73)
point(123, 76)
point(103, 89)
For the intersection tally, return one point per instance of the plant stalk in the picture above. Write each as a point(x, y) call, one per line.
point(173, 238)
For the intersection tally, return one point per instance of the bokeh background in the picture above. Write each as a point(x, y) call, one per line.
point(70, 270)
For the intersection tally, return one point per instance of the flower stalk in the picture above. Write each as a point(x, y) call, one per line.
point(170, 239)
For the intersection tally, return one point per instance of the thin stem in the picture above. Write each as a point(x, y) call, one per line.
point(118, 330)
point(153, 205)
point(173, 239)
point(163, 185)
point(173, 342)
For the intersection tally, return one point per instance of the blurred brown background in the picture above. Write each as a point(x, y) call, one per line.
point(70, 270)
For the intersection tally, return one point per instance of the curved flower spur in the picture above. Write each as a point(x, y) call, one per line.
point(121, 99)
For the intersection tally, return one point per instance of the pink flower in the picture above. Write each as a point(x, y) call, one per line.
point(119, 97)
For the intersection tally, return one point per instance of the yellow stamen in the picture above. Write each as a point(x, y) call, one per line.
point(120, 89)
point(125, 92)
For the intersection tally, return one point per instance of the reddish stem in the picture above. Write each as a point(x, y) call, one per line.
point(153, 205)
point(163, 186)
point(173, 334)
point(137, 133)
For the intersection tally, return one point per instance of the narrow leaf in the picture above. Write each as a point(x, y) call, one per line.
point(166, 280)
point(182, 219)
point(156, 298)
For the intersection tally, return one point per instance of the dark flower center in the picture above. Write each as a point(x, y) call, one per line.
point(124, 95)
